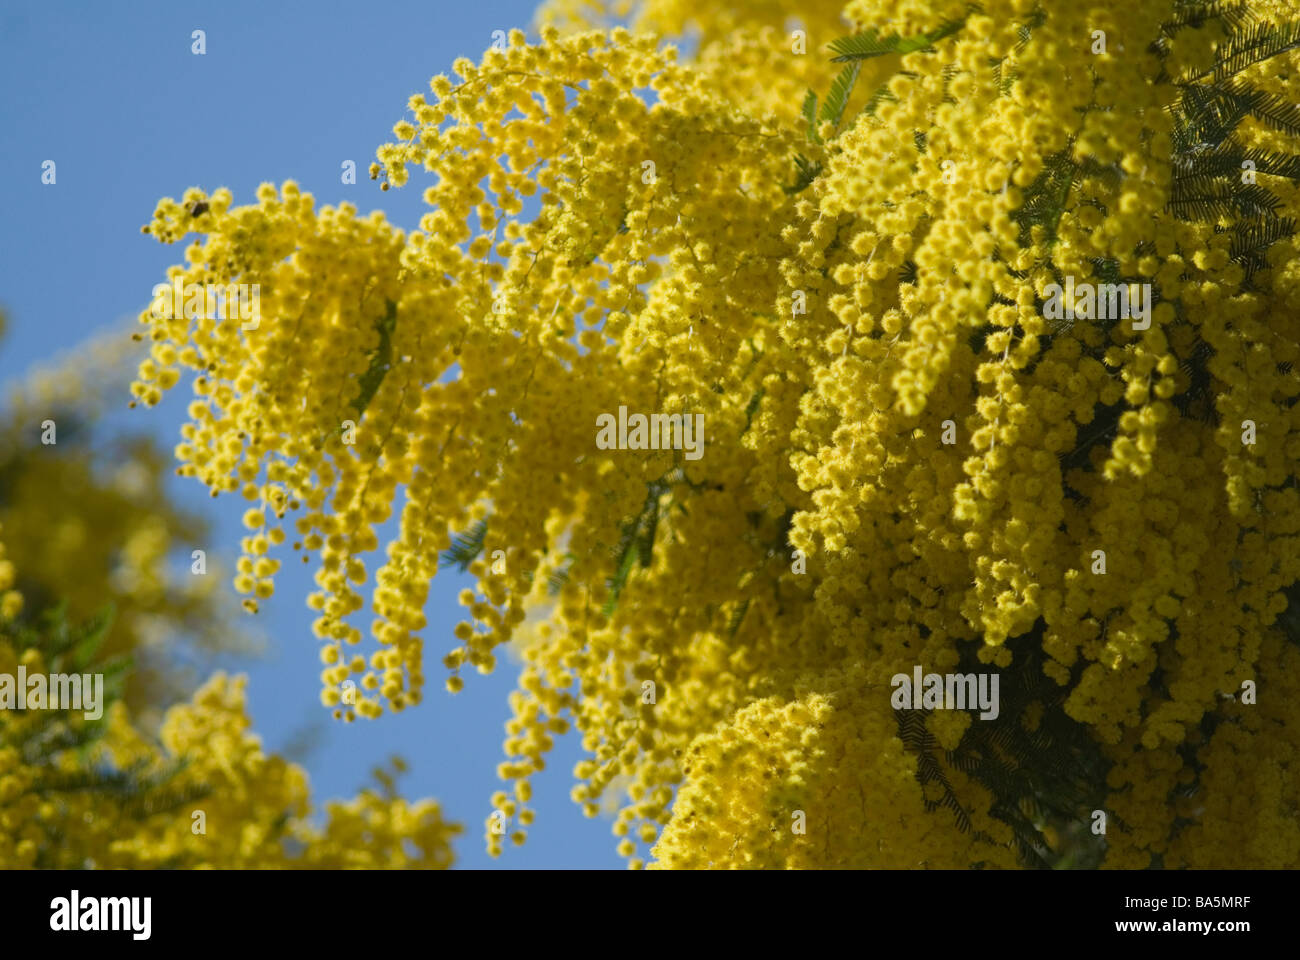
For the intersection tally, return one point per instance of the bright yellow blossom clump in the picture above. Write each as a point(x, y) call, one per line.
point(922, 445)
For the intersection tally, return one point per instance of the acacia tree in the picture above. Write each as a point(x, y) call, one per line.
point(844, 242)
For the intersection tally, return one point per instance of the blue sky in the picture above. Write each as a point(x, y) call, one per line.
point(113, 95)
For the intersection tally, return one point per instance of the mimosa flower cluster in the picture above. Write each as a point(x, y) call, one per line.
point(722, 632)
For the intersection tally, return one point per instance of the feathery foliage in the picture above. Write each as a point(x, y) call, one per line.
point(869, 44)
point(466, 547)
point(380, 360)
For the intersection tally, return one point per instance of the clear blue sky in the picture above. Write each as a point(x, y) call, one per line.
point(113, 95)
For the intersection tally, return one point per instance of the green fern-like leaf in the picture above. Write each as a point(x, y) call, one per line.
point(635, 543)
point(805, 173)
point(809, 113)
point(1026, 30)
point(870, 44)
point(627, 561)
point(737, 618)
point(1269, 108)
point(1040, 769)
point(1196, 13)
point(1252, 240)
point(556, 580)
point(380, 361)
point(466, 547)
point(88, 645)
point(1253, 46)
point(1046, 198)
point(1199, 197)
point(838, 97)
